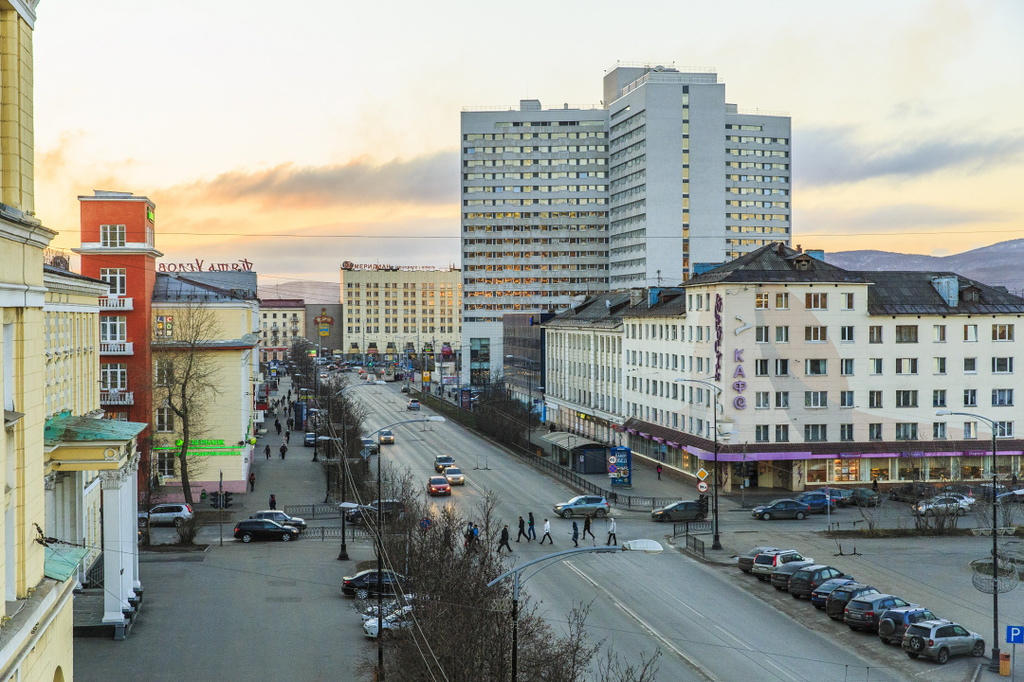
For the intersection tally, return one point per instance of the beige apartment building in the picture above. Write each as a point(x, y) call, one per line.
point(282, 323)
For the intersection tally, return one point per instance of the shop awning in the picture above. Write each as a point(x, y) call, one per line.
point(569, 441)
point(61, 561)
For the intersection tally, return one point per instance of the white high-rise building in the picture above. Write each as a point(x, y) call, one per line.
point(645, 190)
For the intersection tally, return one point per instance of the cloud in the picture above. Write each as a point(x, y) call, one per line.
point(834, 155)
point(431, 179)
point(897, 217)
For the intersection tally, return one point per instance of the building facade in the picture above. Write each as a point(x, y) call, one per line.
point(282, 323)
point(327, 317)
point(395, 316)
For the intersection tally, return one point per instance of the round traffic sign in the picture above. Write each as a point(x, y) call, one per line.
point(612, 469)
point(702, 486)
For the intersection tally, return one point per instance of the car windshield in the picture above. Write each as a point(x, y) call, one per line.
point(452, 471)
point(578, 498)
point(385, 433)
point(919, 630)
point(438, 480)
point(775, 502)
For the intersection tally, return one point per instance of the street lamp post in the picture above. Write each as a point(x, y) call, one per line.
point(716, 542)
point(994, 663)
point(646, 546)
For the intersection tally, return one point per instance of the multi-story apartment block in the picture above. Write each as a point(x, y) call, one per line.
point(282, 323)
point(664, 179)
point(392, 312)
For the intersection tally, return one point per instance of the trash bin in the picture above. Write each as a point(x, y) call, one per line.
point(1004, 663)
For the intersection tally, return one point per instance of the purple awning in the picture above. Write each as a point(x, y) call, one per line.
point(673, 444)
point(632, 431)
point(656, 439)
point(645, 435)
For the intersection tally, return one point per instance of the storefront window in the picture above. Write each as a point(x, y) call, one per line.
point(939, 469)
point(1003, 466)
point(879, 469)
point(909, 469)
point(846, 470)
point(817, 471)
point(971, 467)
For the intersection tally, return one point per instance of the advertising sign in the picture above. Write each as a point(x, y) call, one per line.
point(620, 462)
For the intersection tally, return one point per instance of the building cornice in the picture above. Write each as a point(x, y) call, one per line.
point(29, 232)
point(129, 249)
point(26, 9)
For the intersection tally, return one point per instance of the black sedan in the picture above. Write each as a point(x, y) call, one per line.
point(264, 529)
point(369, 583)
point(280, 517)
point(781, 509)
point(678, 511)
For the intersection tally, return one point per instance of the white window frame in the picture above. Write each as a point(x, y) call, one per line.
point(112, 236)
point(116, 279)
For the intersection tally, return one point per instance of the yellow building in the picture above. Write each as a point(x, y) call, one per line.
point(283, 323)
point(211, 318)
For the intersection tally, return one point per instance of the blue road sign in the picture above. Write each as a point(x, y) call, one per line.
point(1015, 634)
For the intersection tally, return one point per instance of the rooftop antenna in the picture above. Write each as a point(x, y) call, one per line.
point(658, 272)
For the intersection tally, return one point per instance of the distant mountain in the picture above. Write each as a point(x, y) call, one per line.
point(995, 265)
point(312, 292)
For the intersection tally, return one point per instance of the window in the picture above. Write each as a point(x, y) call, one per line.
point(939, 397)
point(1002, 365)
point(939, 365)
point(906, 398)
point(164, 326)
point(165, 463)
point(782, 302)
point(874, 432)
point(164, 372)
point(781, 367)
point(875, 399)
point(112, 235)
point(906, 365)
point(906, 431)
point(970, 397)
point(782, 400)
point(970, 430)
point(876, 365)
point(762, 400)
point(846, 432)
point(113, 376)
point(761, 301)
point(846, 334)
point(1002, 397)
point(116, 278)
point(938, 430)
point(846, 367)
point(1004, 429)
point(815, 368)
point(114, 329)
point(846, 399)
point(816, 334)
point(970, 332)
point(782, 335)
point(1002, 332)
point(761, 368)
point(782, 433)
point(875, 334)
point(815, 399)
point(847, 301)
point(762, 334)
point(815, 433)
point(816, 301)
point(906, 333)
point(761, 433)
point(164, 420)
point(939, 333)
point(970, 365)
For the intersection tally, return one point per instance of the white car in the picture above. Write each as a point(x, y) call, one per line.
point(174, 514)
point(942, 504)
point(396, 619)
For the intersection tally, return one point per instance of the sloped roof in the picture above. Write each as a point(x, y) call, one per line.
point(912, 293)
point(207, 287)
point(670, 302)
point(775, 263)
point(603, 310)
point(66, 428)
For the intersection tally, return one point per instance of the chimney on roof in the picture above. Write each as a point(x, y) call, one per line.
point(635, 296)
point(948, 287)
point(799, 249)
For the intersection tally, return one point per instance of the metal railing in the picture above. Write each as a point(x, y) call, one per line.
point(118, 303)
point(323, 533)
point(313, 511)
point(695, 545)
point(690, 527)
point(117, 397)
point(117, 347)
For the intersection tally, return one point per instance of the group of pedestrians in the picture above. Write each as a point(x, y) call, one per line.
point(528, 530)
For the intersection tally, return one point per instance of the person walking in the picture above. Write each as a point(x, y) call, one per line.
point(266, 451)
point(475, 537)
point(612, 540)
point(531, 533)
point(575, 534)
point(287, 436)
point(522, 530)
point(273, 502)
point(874, 484)
point(277, 425)
point(504, 540)
point(547, 533)
point(586, 527)
point(283, 450)
point(252, 481)
point(659, 466)
point(291, 422)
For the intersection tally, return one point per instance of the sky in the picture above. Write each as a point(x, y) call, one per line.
point(301, 135)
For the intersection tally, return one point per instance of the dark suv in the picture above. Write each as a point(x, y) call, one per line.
point(367, 513)
point(808, 578)
point(863, 612)
point(841, 596)
point(894, 622)
point(782, 574)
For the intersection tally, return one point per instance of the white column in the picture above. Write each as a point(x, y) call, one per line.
point(114, 488)
point(134, 515)
point(129, 532)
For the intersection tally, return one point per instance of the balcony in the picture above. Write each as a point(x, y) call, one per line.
point(115, 303)
point(117, 397)
point(117, 348)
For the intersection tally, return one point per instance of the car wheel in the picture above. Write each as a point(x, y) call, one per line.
point(142, 523)
point(853, 627)
point(246, 537)
point(916, 644)
point(979, 648)
point(942, 656)
point(884, 640)
point(179, 522)
point(911, 654)
point(799, 516)
point(600, 513)
point(819, 607)
point(960, 511)
point(766, 516)
point(567, 514)
point(286, 537)
point(794, 595)
point(698, 517)
point(362, 593)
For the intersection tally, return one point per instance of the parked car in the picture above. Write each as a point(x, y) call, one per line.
point(678, 511)
point(264, 529)
point(941, 505)
point(455, 476)
point(367, 584)
point(894, 622)
point(985, 491)
point(583, 505)
point(280, 517)
point(781, 575)
point(781, 509)
point(370, 444)
point(366, 514)
point(911, 492)
point(819, 597)
point(166, 515)
point(746, 561)
point(413, 404)
point(401, 618)
point(863, 612)
point(939, 639)
point(865, 497)
point(309, 439)
point(438, 485)
point(817, 501)
point(387, 437)
point(962, 488)
point(404, 389)
point(843, 497)
point(808, 578)
point(841, 596)
point(769, 560)
point(1012, 497)
point(442, 462)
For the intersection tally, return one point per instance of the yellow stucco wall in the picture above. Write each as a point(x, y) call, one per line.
point(71, 330)
point(16, 115)
point(54, 649)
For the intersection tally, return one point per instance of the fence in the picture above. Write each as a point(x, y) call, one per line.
point(334, 533)
point(695, 545)
point(690, 527)
point(313, 511)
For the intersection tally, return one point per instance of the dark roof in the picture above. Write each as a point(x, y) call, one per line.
point(283, 303)
point(669, 302)
point(49, 269)
point(205, 286)
point(776, 262)
point(601, 310)
point(914, 293)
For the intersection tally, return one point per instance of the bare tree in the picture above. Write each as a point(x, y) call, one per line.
point(187, 378)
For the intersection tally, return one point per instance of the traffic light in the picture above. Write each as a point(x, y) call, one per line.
point(702, 504)
point(226, 500)
point(215, 499)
